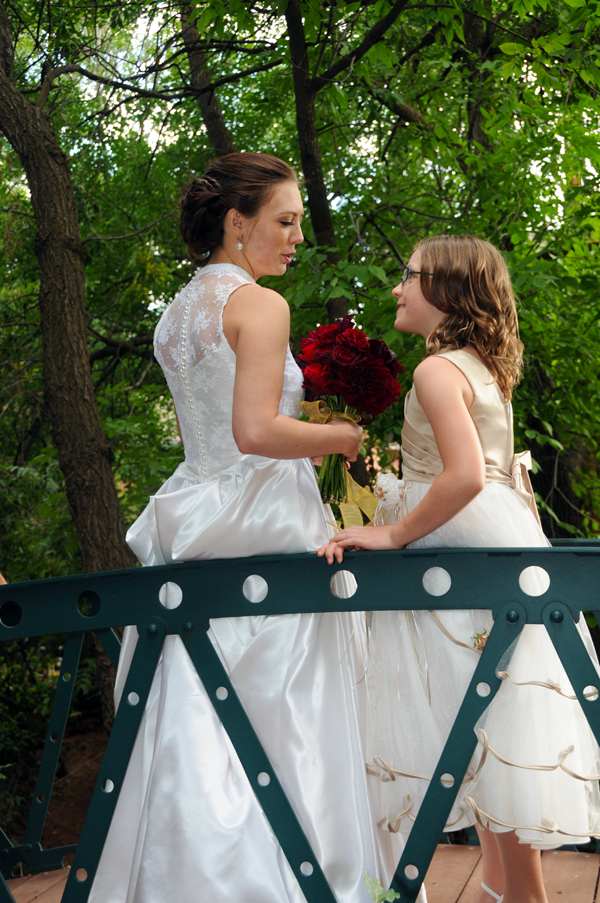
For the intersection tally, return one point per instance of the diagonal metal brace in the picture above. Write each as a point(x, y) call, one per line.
point(115, 762)
point(54, 738)
point(575, 659)
point(456, 756)
point(256, 764)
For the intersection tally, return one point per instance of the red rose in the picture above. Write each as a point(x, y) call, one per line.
point(351, 347)
point(317, 380)
point(319, 344)
point(369, 387)
point(380, 350)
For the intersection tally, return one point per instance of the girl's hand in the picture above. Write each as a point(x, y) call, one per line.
point(358, 538)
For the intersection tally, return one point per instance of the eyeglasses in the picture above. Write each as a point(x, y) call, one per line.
point(409, 273)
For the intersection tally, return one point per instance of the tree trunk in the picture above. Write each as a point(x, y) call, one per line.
point(310, 150)
point(84, 453)
point(216, 127)
point(478, 38)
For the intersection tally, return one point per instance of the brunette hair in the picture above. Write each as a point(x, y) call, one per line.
point(467, 278)
point(244, 181)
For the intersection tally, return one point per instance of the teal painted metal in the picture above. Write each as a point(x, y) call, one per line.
point(54, 739)
point(116, 759)
point(487, 579)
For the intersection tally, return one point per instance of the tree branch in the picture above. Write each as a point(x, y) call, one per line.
point(371, 38)
point(370, 218)
point(116, 347)
point(129, 234)
point(18, 212)
point(143, 92)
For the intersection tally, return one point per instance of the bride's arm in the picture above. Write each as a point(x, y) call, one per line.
point(445, 395)
point(256, 323)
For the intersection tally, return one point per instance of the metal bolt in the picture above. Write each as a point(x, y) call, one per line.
point(513, 616)
point(152, 629)
point(28, 848)
point(188, 627)
point(4, 854)
point(556, 616)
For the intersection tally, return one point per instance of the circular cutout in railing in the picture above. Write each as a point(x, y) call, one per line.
point(534, 581)
point(170, 595)
point(67, 677)
point(133, 698)
point(411, 872)
point(483, 689)
point(591, 693)
point(108, 786)
point(255, 588)
point(10, 613)
point(264, 779)
point(306, 868)
point(343, 584)
point(54, 736)
point(81, 875)
point(88, 604)
point(436, 581)
point(221, 693)
point(447, 780)
point(41, 797)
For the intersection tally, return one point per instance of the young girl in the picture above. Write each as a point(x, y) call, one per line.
point(457, 449)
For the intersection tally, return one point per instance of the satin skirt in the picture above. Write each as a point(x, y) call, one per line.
point(187, 825)
point(419, 667)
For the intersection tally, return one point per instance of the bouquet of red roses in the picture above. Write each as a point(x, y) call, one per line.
point(348, 376)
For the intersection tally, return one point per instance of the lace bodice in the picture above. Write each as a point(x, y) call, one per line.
point(199, 365)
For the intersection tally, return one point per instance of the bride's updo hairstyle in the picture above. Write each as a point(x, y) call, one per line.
point(469, 282)
point(244, 181)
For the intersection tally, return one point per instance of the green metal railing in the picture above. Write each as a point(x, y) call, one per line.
point(482, 578)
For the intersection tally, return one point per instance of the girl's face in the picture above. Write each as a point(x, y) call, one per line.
point(270, 238)
point(415, 313)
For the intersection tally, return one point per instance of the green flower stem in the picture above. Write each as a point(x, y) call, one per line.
point(332, 472)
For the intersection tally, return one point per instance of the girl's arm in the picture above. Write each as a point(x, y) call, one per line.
point(256, 323)
point(446, 397)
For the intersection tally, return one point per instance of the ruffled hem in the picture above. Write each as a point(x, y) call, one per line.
point(537, 764)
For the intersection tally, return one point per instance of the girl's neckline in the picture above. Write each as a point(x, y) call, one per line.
point(470, 356)
point(224, 267)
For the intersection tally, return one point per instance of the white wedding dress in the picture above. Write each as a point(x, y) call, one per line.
point(187, 825)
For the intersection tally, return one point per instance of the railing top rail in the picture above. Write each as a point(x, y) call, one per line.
point(477, 578)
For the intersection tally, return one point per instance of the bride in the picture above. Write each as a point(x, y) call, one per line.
point(187, 823)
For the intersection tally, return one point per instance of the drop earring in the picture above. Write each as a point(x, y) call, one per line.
point(239, 245)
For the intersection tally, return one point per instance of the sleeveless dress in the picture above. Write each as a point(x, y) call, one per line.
point(187, 825)
point(420, 664)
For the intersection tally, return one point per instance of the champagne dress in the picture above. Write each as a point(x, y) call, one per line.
point(421, 663)
point(187, 825)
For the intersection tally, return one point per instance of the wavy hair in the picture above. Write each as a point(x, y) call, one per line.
point(244, 181)
point(467, 279)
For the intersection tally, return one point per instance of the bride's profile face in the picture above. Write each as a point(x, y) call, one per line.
point(270, 237)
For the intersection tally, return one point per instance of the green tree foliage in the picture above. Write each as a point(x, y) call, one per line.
point(474, 117)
